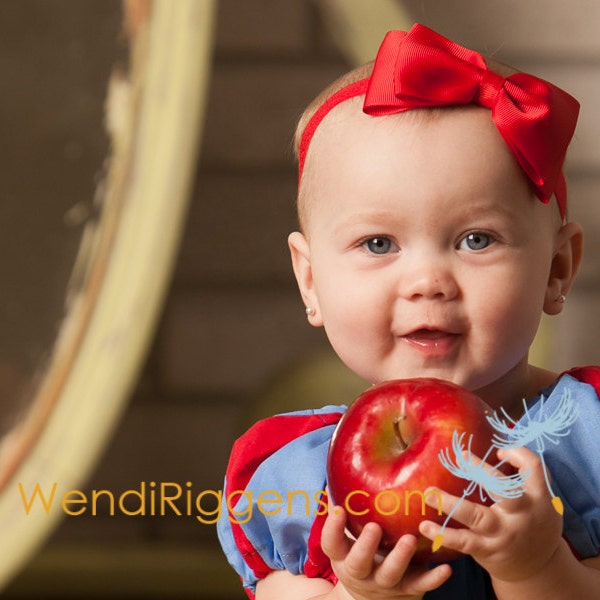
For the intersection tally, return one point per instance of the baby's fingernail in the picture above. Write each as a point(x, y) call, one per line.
point(409, 540)
point(432, 497)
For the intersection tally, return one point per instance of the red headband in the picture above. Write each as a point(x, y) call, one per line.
point(422, 69)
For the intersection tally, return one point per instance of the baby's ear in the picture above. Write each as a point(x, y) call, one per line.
point(300, 251)
point(565, 264)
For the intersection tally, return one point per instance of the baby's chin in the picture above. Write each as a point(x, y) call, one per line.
point(473, 382)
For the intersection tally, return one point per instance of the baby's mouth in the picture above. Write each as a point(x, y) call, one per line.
point(428, 334)
point(431, 340)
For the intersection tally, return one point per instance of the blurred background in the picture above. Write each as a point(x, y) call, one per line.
point(231, 342)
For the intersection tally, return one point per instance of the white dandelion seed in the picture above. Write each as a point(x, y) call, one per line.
point(487, 479)
point(537, 430)
point(475, 470)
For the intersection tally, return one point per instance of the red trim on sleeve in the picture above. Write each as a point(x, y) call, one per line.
point(317, 563)
point(590, 375)
point(249, 452)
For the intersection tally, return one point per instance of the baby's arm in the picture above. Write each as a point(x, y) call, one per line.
point(562, 578)
point(519, 542)
point(280, 585)
point(362, 574)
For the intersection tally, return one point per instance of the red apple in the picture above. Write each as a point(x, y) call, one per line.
point(385, 450)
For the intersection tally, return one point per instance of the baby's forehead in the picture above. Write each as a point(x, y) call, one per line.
point(349, 118)
point(452, 132)
point(348, 136)
point(346, 118)
point(348, 128)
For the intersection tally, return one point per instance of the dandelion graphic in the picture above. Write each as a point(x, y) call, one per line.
point(467, 466)
point(538, 430)
point(543, 427)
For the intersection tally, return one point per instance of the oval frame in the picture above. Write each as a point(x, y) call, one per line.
point(154, 117)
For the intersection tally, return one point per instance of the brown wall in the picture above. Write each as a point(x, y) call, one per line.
point(233, 321)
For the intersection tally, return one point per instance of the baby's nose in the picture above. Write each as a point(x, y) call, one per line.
point(430, 280)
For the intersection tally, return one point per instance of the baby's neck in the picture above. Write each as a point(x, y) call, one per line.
point(524, 381)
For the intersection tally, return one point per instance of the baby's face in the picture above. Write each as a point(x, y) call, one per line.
point(425, 251)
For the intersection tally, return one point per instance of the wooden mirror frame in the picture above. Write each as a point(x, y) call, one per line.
point(154, 119)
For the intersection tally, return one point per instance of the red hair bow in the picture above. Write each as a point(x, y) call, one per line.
point(537, 120)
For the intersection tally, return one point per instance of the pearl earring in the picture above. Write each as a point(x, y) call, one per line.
point(309, 311)
point(561, 299)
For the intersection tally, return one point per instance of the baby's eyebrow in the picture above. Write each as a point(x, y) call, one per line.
point(480, 210)
point(369, 218)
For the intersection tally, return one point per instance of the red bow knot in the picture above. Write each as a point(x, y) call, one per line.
point(422, 69)
point(490, 85)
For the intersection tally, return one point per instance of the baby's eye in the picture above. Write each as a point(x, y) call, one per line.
point(378, 245)
point(476, 240)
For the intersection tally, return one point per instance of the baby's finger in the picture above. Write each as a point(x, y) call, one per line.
point(526, 462)
point(444, 501)
point(391, 571)
point(396, 570)
point(419, 582)
point(334, 542)
point(470, 514)
point(362, 557)
point(452, 539)
point(531, 469)
point(476, 461)
point(538, 481)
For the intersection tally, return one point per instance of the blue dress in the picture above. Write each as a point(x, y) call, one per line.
point(273, 494)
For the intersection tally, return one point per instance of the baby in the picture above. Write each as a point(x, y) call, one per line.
point(432, 209)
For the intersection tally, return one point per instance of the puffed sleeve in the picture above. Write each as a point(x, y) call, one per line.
point(574, 463)
point(273, 497)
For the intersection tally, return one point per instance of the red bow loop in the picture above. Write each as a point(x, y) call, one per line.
point(429, 70)
point(450, 73)
point(537, 121)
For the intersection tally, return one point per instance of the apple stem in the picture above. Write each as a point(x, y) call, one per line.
point(401, 441)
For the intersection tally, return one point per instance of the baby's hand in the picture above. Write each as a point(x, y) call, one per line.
point(512, 539)
point(364, 574)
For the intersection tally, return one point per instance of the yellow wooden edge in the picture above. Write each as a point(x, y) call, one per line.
point(358, 26)
point(162, 157)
